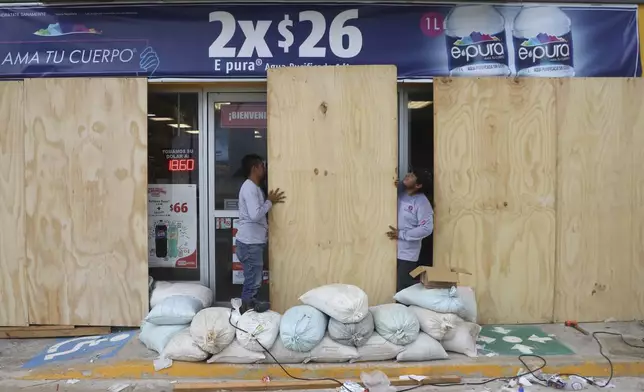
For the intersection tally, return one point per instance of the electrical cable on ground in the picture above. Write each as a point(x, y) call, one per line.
point(521, 358)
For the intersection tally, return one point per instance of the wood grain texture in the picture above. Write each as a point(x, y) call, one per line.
point(600, 194)
point(495, 169)
point(86, 200)
point(53, 333)
point(13, 294)
point(332, 146)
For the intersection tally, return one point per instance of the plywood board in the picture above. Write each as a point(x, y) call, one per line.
point(600, 194)
point(332, 147)
point(13, 294)
point(86, 200)
point(495, 168)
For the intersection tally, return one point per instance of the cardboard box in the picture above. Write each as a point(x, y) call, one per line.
point(438, 277)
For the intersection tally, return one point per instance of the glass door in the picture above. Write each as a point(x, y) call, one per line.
point(238, 123)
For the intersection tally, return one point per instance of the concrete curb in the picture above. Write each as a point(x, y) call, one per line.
point(477, 368)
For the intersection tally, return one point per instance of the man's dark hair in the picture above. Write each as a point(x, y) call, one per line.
point(249, 162)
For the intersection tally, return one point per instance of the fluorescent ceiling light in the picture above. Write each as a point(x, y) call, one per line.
point(258, 136)
point(161, 119)
point(183, 126)
point(193, 131)
point(418, 104)
point(151, 115)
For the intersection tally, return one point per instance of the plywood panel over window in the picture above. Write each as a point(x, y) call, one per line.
point(86, 200)
point(600, 194)
point(332, 146)
point(495, 149)
point(13, 297)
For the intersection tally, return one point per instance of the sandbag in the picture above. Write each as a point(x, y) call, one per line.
point(211, 329)
point(259, 327)
point(343, 302)
point(377, 349)
point(235, 353)
point(438, 300)
point(469, 312)
point(396, 323)
point(156, 337)
point(352, 334)
point(302, 328)
point(462, 339)
point(182, 348)
point(329, 351)
point(433, 323)
point(284, 355)
point(175, 310)
point(163, 290)
point(424, 348)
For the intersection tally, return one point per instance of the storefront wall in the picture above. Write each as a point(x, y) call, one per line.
point(225, 64)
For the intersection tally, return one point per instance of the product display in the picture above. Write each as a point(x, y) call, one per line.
point(543, 43)
point(172, 219)
point(476, 41)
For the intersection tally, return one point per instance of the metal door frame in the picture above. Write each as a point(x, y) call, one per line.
point(235, 96)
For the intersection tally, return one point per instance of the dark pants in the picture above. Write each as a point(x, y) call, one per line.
point(252, 258)
point(404, 279)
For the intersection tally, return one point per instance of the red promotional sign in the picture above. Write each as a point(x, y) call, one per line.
point(243, 115)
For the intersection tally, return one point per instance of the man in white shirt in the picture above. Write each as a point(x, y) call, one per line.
point(415, 222)
point(252, 229)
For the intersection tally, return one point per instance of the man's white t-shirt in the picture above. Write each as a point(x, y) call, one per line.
point(252, 227)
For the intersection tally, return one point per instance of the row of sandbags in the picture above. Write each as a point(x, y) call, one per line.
point(335, 325)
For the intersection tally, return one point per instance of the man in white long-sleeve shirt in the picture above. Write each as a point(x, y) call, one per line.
point(252, 229)
point(415, 222)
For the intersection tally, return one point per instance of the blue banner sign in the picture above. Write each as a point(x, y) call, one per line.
point(244, 40)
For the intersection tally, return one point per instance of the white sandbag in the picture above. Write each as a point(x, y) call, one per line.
point(435, 324)
point(284, 355)
point(424, 348)
point(396, 323)
point(343, 302)
point(259, 327)
point(163, 290)
point(329, 351)
point(175, 310)
point(438, 300)
point(302, 328)
point(235, 353)
point(182, 348)
point(211, 329)
point(156, 337)
point(352, 334)
point(469, 312)
point(377, 349)
point(462, 339)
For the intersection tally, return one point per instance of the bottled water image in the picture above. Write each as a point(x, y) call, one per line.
point(476, 41)
point(542, 38)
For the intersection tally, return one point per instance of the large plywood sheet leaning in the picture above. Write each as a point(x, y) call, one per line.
point(13, 297)
point(600, 199)
point(332, 146)
point(495, 157)
point(86, 200)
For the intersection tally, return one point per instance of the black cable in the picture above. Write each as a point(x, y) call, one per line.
point(341, 384)
point(484, 382)
point(541, 381)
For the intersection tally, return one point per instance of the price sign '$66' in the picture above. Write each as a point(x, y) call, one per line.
point(344, 40)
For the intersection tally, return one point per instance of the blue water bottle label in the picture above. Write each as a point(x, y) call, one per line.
point(544, 53)
point(477, 49)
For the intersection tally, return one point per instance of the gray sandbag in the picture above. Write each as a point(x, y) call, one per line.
point(352, 334)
